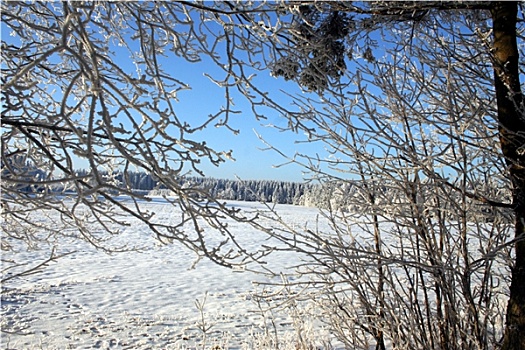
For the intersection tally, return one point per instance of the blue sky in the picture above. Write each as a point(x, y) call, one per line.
point(251, 162)
point(205, 97)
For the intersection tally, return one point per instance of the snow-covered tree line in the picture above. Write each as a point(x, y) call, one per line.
point(350, 196)
point(338, 195)
point(342, 195)
point(275, 191)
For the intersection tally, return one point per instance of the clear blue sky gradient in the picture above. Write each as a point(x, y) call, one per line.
point(251, 162)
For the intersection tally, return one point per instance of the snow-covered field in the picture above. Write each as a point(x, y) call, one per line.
point(144, 300)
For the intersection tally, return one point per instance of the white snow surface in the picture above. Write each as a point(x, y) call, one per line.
point(144, 299)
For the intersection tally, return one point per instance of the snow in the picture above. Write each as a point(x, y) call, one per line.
point(158, 297)
point(145, 299)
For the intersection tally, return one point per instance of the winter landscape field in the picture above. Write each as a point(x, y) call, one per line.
point(151, 297)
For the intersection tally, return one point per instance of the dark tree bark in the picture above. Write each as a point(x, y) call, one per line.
point(512, 137)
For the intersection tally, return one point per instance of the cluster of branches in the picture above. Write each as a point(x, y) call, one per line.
point(84, 85)
point(422, 137)
point(422, 113)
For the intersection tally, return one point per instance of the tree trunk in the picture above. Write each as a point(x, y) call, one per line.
point(512, 138)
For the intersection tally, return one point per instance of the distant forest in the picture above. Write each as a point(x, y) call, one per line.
point(335, 195)
point(273, 191)
point(242, 190)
